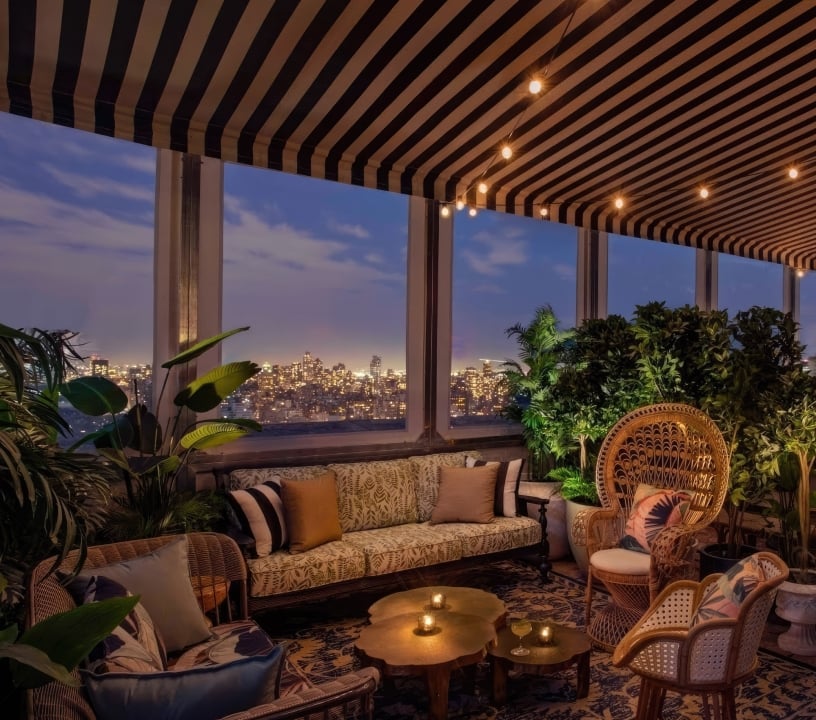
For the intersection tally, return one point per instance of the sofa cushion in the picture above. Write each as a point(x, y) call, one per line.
point(162, 580)
point(426, 478)
point(229, 642)
point(134, 645)
point(247, 477)
point(311, 511)
point(282, 572)
point(375, 494)
point(501, 534)
point(465, 495)
point(508, 475)
point(259, 510)
point(200, 693)
point(402, 547)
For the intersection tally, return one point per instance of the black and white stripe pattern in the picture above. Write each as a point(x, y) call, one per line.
point(647, 99)
point(259, 510)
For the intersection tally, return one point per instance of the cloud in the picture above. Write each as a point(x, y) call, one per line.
point(374, 258)
point(357, 231)
point(564, 271)
point(87, 187)
point(493, 253)
point(141, 163)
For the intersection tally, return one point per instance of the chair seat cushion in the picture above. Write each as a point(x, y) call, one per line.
point(621, 561)
point(229, 641)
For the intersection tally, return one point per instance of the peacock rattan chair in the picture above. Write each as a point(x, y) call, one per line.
point(668, 446)
point(215, 564)
point(710, 658)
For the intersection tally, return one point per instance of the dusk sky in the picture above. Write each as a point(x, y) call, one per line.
point(310, 265)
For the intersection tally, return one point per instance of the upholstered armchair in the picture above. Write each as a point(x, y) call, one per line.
point(662, 476)
point(201, 582)
point(702, 637)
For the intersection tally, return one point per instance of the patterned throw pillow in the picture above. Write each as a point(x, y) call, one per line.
point(135, 645)
point(259, 510)
point(723, 598)
point(508, 475)
point(653, 510)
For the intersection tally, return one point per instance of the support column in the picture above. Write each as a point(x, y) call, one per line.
point(593, 275)
point(188, 258)
point(705, 296)
point(790, 291)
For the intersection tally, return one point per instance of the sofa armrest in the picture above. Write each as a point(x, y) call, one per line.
point(545, 565)
point(347, 694)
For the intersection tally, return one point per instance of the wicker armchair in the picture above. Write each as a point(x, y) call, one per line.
point(669, 446)
point(709, 658)
point(215, 564)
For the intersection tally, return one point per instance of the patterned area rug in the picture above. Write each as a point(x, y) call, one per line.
point(324, 638)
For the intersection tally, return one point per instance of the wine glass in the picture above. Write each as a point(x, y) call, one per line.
point(520, 627)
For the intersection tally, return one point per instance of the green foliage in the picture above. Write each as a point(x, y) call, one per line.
point(51, 500)
point(740, 371)
point(154, 456)
point(575, 485)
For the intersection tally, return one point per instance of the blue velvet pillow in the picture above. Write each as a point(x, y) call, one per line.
point(201, 693)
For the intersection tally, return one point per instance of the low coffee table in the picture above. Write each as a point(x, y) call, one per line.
point(393, 646)
point(457, 600)
point(570, 647)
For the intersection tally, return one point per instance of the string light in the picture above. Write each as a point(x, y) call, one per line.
point(793, 173)
point(704, 192)
point(801, 272)
point(543, 211)
point(460, 204)
point(619, 202)
point(506, 152)
point(444, 211)
point(482, 187)
point(535, 86)
point(472, 212)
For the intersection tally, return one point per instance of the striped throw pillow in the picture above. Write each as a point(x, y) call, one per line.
point(259, 509)
point(508, 475)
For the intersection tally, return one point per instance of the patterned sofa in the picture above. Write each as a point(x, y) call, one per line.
point(384, 509)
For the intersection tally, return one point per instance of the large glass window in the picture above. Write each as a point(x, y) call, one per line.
point(644, 271)
point(504, 267)
point(807, 316)
point(317, 269)
point(76, 232)
point(743, 283)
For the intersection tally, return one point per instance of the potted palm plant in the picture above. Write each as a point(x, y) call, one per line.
point(154, 454)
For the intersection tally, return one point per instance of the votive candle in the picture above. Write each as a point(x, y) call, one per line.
point(545, 635)
point(437, 600)
point(426, 623)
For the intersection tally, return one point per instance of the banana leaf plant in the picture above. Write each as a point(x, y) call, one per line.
point(154, 453)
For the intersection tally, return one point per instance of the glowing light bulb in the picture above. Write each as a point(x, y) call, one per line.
point(793, 173)
point(535, 86)
point(619, 202)
point(482, 187)
point(800, 273)
point(472, 212)
point(704, 192)
point(543, 211)
point(460, 204)
point(444, 211)
point(507, 152)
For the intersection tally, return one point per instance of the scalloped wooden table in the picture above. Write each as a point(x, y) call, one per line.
point(393, 645)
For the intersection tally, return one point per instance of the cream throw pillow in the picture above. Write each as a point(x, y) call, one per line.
point(465, 495)
point(310, 506)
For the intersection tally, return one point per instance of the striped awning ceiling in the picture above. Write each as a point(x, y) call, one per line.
point(649, 100)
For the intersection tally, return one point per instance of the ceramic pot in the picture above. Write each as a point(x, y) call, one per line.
point(796, 603)
point(579, 553)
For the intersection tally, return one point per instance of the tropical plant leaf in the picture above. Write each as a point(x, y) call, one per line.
point(36, 664)
point(207, 392)
point(212, 435)
point(94, 395)
point(68, 637)
point(200, 348)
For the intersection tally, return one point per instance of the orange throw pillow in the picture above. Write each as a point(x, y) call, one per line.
point(310, 506)
point(465, 495)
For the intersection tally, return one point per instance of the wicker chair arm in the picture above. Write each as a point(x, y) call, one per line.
point(646, 642)
point(589, 525)
point(671, 557)
point(350, 695)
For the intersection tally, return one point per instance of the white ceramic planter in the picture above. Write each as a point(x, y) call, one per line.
point(579, 552)
point(796, 603)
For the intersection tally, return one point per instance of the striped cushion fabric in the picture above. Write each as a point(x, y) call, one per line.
point(507, 482)
point(259, 509)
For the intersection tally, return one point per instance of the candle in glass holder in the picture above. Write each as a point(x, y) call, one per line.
point(437, 600)
point(545, 635)
point(426, 623)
